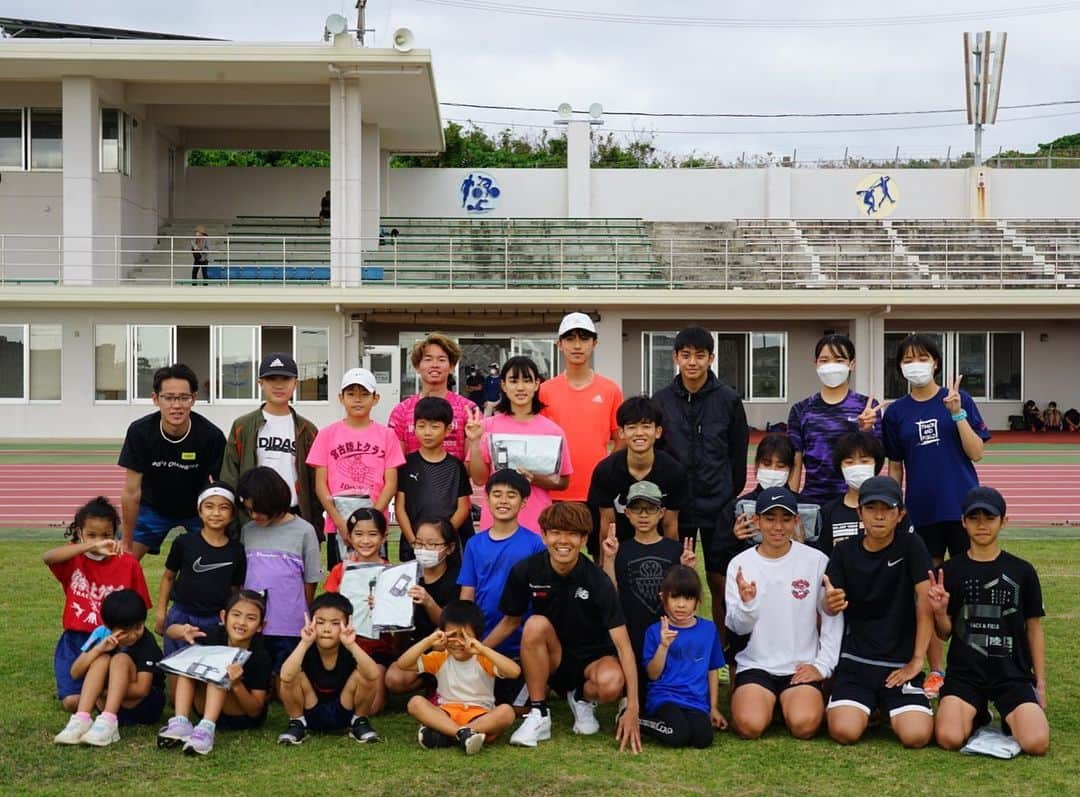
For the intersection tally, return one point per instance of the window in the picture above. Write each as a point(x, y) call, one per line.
point(30, 362)
point(46, 138)
point(657, 367)
point(11, 138)
point(236, 362)
point(1006, 366)
point(154, 348)
point(111, 362)
point(115, 141)
point(312, 346)
point(753, 363)
point(990, 362)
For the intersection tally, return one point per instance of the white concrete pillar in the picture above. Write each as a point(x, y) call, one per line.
point(370, 216)
point(346, 167)
point(777, 192)
point(608, 359)
point(868, 335)
point(384, 182)
point(81, 131)
point(578, 180)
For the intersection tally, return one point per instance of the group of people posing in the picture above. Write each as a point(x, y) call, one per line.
point(832, 621)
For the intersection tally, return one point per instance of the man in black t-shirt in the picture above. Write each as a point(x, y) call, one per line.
point(879, 581)
point(989, 602)
point(169, 457)
point(575, 640)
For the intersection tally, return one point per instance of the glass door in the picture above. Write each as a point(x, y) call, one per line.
point(385, 363)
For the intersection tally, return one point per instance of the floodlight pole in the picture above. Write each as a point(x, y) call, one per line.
point(984, 59)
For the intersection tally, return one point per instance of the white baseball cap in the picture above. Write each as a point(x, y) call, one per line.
point(572, 321)
point(359, 376)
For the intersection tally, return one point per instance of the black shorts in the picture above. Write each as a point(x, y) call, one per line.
point(511, 691)
point(146, 712)
point(1005, 697)
point(328, 716)
point(571, 670)
point(774, 683)
point(862, 686)
point(240, 722)
point(941, 537)
point(279, 648)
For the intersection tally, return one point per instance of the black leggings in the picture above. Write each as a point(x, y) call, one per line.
point(676, 726)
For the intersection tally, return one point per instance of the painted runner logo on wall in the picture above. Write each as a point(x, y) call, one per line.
point(479, 193)
point(876, 196)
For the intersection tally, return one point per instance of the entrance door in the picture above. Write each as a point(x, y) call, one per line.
point(541, 351)
point(385, 363)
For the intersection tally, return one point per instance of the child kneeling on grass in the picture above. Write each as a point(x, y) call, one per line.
point(119, 673)
point(465, 670)
point(328, 682)
point(240, 707)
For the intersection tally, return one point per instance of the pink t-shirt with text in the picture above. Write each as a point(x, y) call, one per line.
point(402, 423)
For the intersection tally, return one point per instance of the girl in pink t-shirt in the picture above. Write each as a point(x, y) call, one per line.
point(518, 412)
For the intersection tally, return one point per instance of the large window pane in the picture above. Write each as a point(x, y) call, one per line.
point(731, 361)
point(11, 142)
point(153, 350)
point(12, 361)
point(895, 384)
point(768, 358)
point(971, 362)
point(237, 360)
point(45, 345)
point(312, 361)
point(110, 139)
point(110, 362)
point(659, 368)
point(1006, 365)
point(46, 138)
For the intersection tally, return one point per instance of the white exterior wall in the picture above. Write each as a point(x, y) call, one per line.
point(216, 193)
point(526, 193)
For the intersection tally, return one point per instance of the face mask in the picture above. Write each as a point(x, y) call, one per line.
point(918, 374)
point(97, 557)
point(769, 478)
point(426, 558)
point(833, 374)
point(855, 475)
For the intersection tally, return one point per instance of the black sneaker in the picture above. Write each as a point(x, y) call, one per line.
point(361, 731)
point(470, 740)
point(431, 739)
point(295, 732)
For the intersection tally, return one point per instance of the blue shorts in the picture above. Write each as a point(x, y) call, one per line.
point(179, 614)
point(148, 712)
point(328, 716)
point(68, 648)
point(152, 527)
point(279, 648)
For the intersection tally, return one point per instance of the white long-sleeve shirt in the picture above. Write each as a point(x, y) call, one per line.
point(782, 620)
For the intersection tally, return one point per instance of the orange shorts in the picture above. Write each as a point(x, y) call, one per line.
point(462, 713)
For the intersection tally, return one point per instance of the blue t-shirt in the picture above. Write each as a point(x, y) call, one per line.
point(486, 565)
point(692, 656)
point(923, 435)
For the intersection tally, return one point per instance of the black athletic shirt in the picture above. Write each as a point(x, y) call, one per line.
point(205, 574)
point(839, 523)
point(639, 569)
point(146, 653)
point(328, 684)
point(258, 669)
point(443, 591)
point(611, 479)
point(989, 603)
point(173, 473)
point(582, 605)
point(879, 622)
point(432, 489)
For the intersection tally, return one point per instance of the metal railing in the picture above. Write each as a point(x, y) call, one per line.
point(750, 258)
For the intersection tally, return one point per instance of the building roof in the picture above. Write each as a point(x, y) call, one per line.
point(38, 29)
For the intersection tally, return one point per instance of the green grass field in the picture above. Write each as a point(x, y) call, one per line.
point(251, 763)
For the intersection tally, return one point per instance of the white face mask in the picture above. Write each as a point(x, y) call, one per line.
point(426, 558)
point(855, 475)
point(918, 374)
point(767, 478)
point(97, 557)
point(833, 374)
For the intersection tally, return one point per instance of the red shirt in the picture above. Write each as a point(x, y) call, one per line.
point(87, 582)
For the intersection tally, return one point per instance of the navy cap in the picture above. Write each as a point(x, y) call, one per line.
point(278, 364)
point(881, 488)
point(777, 497)
point(985, 498)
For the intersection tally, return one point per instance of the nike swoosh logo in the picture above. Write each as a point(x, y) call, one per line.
point(898, 561)
point(198, 567)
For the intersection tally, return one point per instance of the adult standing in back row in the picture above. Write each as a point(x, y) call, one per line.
point(169, 456)
point(705, 429)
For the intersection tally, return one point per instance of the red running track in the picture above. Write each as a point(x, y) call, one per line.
point(48, 495)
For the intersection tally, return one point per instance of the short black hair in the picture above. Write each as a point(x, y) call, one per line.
point(681, 581)
point(123, 609)
point(519, 366)
point(776, 444)
point(511, 478)
point(858, 443)
point(100, 507)
point(366, 513)
point(836, 342)
point(448, 534)
point(639, 409)
point(917, 343)
point(176, 371)
point(434, 408)
point(463, 613)
point(331, 600)
point(694, 338)
point(267, 491)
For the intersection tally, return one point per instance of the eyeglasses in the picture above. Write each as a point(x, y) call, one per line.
point(428, 546)
point(643, 509)
point(176, 398)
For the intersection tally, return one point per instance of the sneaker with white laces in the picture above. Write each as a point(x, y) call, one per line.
point(431, 739)
point(470, 740)
point(73, 731)
point(175, 732)
point(200, 741)
point(362, 731)
point(584, 711)
point(295, 733)
point(101, 734)
point(534, 728)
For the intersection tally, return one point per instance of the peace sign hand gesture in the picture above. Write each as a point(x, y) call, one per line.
point(869, 416)
point(938, 597)
point(474, 425)
point(667, 633)
point(610, 543)
point(747, 589)
point(688, 557)
point(952, 400)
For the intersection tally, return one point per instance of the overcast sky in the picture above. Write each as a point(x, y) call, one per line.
point(505, 59)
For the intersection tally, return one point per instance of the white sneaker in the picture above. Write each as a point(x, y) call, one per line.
point(101, 734)
point(73, 731)
point(534, 728)
point(584, 711)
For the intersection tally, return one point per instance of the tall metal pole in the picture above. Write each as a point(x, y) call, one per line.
point(978, 93)
point(361, 5)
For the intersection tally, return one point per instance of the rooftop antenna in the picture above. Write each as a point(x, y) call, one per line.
point(361, 27)
point(984, 60)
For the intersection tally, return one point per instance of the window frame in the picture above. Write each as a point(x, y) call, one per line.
point(29, 132)
point(746, 389)
point(255, 333)
point(23, 142)
point(296, 331)
point(25, 398)
point(950, 356)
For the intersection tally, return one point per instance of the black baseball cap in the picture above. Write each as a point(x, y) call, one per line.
point(985, 498)
point(881, 488)
point(278, 364)
point(777, 497)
